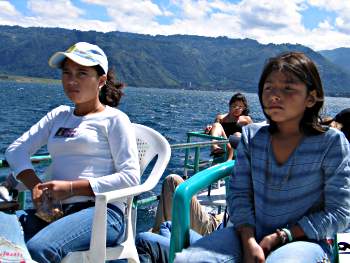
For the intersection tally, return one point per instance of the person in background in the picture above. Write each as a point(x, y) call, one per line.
point(230, 124)
point(341, 121)
point(201, 222)
point(93, 150)
point(289, 193)
point(154, 246)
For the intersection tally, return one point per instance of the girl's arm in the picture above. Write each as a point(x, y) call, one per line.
point(252, 251)
point(335, 215)
point(240, 193)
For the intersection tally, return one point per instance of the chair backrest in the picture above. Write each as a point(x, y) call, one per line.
point(150, 143)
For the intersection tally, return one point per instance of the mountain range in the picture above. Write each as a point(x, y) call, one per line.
point(177, 61)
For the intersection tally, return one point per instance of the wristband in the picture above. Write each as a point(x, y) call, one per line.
point(281, 236)
point(289, 234)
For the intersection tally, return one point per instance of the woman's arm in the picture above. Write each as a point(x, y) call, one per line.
point(244, 120)
point(61, 190)
point(220, 117)
point(123, 148)
point(29, 178)
point(19, 152)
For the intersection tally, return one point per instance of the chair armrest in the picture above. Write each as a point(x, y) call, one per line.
point(182, 199)
point(99, 224)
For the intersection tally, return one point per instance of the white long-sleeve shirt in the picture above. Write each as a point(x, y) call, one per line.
point(99, 147)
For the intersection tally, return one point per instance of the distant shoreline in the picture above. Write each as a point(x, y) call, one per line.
point(25, 79)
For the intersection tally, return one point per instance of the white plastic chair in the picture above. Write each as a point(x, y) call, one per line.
point(149, 143)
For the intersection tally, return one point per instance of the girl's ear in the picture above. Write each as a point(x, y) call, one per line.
point(311, 99)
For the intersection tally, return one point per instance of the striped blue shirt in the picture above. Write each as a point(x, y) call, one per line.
point(311, 189)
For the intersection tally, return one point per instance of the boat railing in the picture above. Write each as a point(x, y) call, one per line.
point(181, 203)
point(194, 163)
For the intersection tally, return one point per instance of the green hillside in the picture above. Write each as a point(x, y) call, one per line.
point(176, 61)
point(339, 56)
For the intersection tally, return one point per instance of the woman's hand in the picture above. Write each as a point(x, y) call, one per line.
point(269, 243)
point(37, 196)
point(253, 252)
point(207, 129)
point(58, 190)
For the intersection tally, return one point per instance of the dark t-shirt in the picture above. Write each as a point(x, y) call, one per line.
point(231, 128)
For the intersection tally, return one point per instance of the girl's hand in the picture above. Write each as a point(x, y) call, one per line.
point(270, 242)
point(253, 253)
point(58, 190)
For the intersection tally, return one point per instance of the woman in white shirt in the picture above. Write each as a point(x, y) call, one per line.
point(93, 150)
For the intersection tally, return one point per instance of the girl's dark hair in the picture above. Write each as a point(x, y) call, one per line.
point(111, 92)
point(302, 67)
point(240, 97)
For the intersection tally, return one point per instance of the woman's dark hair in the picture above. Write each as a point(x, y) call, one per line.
point(111, 92)
point(300, 66)
point(240, 97)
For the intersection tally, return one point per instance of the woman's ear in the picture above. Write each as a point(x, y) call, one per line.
point(102, 81)
point(311, 99)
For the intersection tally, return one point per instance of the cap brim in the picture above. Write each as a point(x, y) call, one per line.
point(56, 60)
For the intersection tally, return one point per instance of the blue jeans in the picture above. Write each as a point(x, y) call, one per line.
point(154, 248)
point(12, 245)
point(49, 243)
point(224, 246)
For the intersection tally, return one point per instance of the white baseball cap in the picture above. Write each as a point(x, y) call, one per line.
point(82, 53)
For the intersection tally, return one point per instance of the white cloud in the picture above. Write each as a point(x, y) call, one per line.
point(270, 14)
point(7, 9)
point(265, 20)
point(342, 10)
point(137, 16)
point(54, 9)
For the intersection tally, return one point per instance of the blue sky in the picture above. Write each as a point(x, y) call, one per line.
point(319, 24)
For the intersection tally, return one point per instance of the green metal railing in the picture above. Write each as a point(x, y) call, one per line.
point(189, 163)
point(196, 165)
point(35, 159)
point(180, 230)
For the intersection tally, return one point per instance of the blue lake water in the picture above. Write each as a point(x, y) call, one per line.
point(172, 112)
